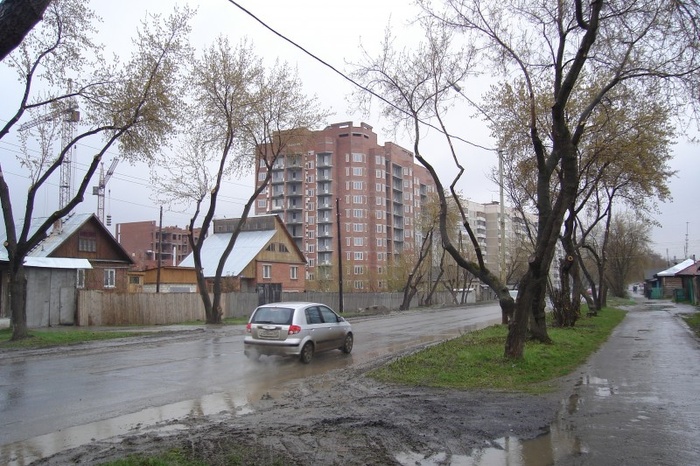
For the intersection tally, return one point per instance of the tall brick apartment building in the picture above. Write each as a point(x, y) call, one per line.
point(378, 191)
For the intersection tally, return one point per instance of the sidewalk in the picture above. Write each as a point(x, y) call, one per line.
point(636, 400)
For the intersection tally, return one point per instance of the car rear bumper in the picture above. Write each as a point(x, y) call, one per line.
point(271, 347)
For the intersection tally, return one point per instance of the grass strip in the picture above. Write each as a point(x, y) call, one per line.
point(476, 361)
point(45, 338)
point(693, 321)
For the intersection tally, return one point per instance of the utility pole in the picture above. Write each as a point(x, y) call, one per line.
point(160, 249)
point(340, 257)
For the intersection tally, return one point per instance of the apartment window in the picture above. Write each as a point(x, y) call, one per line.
point(87, 241)
point(359, 270)
point(357, 171)
point(310, 248)
point(378, 174)
point(358, 227)
point(357, 213)
point(359, 256)
point(358, 241)
point(110, 278)
point(358, 200)
point(267, 271)
point(359, 284)
point(357, 185)
point(262, 203)
point(261, 176)
point(294, 272)
point(380, 201)
point(80, 279)
point(357, 157)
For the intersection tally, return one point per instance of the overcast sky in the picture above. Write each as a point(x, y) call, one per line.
point(333, 32)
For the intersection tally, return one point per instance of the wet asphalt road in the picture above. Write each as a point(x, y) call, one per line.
point(56, 400)
point(637, 401)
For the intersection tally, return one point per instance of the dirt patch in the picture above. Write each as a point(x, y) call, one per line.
point(341, 417)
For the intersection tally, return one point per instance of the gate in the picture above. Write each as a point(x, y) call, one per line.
point(269, 293)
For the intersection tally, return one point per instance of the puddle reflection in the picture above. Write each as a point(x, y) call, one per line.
point(25, 452)
point(546, 449)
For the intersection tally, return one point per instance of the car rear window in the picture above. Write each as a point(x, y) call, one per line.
point(273, 315)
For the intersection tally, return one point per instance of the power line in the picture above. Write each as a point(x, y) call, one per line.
point(352, 81)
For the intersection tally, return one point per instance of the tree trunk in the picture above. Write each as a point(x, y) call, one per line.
point(17, 18)
point(18, 301)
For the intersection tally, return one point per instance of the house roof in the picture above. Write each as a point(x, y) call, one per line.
point(692, 270)
point(248, 246)
point(670, 272)
point(57, 263)
point(59, 234)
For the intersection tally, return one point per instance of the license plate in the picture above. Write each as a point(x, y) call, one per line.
point(268, 333)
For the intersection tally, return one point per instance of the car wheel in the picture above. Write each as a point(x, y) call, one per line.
point(347, 345)
point(307, 352)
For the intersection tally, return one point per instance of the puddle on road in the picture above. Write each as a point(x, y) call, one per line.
point(559, 443)
point(546, 449)
point(149, 420)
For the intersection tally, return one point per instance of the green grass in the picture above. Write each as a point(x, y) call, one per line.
point(476, 360)
point(227, 452)
point(60, 337)
point(693, 321)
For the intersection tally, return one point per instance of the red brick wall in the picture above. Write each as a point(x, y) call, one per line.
point(281, 274)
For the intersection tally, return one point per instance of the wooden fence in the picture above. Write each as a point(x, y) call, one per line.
point(96, 308)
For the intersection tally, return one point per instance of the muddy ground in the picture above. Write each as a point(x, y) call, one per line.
point(342, 417)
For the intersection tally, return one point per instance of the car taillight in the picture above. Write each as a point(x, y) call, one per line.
point(294, 329)
point(247, 327)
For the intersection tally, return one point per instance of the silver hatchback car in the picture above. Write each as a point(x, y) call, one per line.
point(296, 329)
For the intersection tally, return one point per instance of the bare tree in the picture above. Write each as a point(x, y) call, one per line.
point(134, 105)
point(567, 47)
point(242, 115)
point(417, 86)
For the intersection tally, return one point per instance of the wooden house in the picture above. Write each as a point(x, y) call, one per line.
point(264, 255)
point(78, 253)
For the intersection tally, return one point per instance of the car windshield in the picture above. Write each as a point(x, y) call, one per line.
point(273, 315)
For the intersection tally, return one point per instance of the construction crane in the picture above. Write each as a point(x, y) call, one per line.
point(69, 115)
point(99, 190)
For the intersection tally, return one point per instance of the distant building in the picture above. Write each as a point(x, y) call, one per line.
point(145, 243)
point(342, 175)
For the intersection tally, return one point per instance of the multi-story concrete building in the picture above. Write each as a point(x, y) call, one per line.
point(146, 243)
point(341, 192)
